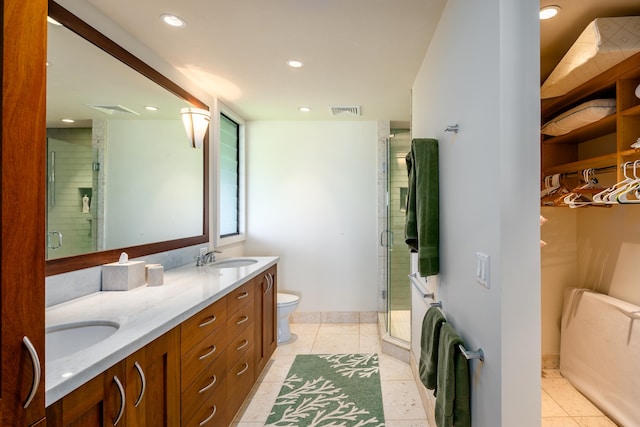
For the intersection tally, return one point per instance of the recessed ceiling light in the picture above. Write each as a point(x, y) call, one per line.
point(549, 12)
point(50, 20)
point(68, 120)
point(294, 63)
point(173, 20)
point(304, 109)
point(151, 108)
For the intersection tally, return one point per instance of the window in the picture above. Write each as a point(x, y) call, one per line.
point(229, 177)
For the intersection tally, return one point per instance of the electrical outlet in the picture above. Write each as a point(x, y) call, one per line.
point(204, 250)
point(482, 269)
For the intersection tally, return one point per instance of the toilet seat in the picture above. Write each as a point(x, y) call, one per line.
point(287, 299)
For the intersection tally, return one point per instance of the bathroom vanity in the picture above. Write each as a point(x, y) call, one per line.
point(185, 353)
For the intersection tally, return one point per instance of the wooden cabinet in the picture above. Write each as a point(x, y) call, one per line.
point(142, 390)
point(99, 402)
point(240, 347)
point(605, 143)
point(23, 200)
point(153, 383)
point(203, 366)
point(197, 374)
point(266, 328)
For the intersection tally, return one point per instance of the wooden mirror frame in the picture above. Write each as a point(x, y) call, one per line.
point(77, 262)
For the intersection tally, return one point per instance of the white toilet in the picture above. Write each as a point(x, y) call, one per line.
point(287, 304)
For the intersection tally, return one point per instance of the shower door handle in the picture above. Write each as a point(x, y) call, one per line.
point(389, 240)
point(54, 233)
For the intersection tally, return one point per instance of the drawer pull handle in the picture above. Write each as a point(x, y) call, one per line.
point(243, 345)
point(209, 353)
point(243, 295)
point(143, 380)
point(122, 400)
point(37, 370)
point(241, 321)
point(208, 321)
point(208, 386)
point(246, 366)
point(206, 420)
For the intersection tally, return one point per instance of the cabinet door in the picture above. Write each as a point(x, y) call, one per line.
point(99, 402)
point(266, 319)
point(23, 202)
point(153, 383)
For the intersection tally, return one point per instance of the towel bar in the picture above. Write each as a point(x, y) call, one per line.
point(418, 286)
point(436, 304)
point(452, 128)
point(472, 354)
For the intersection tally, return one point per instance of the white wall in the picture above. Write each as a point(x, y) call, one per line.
point(481, 71)
point(153, 183)
point(608, 242)
point(311, 199)
point(559, 262)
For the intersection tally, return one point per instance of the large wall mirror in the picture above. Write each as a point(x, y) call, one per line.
point(122, 176)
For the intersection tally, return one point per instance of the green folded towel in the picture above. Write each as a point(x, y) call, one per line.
point(453, 407)
point(422, 226)
point(428, 366)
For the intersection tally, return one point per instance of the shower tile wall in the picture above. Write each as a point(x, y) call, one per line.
point(399, 289)
point(73, 174)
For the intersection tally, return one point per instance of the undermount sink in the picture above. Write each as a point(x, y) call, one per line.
point(232, 263)
point(68, 338)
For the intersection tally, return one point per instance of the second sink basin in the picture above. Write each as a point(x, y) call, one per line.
point(68, 338)
point(232, 263)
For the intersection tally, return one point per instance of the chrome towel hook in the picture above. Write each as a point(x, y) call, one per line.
point(452, 128)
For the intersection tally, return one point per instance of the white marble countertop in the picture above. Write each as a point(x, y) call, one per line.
point(144, 314)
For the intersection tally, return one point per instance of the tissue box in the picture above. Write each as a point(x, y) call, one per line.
point(122, 277)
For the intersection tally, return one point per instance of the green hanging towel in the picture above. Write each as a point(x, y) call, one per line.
point(453, 402)
point(429, 341)
point(422, 227)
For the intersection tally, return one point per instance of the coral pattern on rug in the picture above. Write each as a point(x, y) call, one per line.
point(330, 390)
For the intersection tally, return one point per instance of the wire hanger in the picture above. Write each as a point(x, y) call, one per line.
point(578, 196)
point(632, 189)
point(603, 196)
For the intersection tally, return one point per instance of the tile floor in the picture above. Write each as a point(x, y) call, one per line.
point(402, 404)
point(564, 406)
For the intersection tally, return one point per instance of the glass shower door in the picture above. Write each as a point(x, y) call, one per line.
point(398, 260)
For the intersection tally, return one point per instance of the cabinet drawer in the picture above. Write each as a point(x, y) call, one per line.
point(239, 345)
point(212, 414)
point(202, 354)
point(203, 388)
point(240, 320)
point(240, 379)
point(240, 297)
point(197, 327)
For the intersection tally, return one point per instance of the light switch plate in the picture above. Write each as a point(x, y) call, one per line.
point(482, 269)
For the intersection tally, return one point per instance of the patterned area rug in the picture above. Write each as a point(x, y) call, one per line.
point(338, 390)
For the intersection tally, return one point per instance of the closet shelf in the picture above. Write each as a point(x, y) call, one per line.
point(630, 112)
point(594, 130)
point(593, 162)
point(561, 154)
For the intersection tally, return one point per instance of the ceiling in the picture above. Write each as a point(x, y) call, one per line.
point(363, 53)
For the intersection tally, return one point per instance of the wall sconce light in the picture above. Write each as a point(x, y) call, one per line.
point(196, 123)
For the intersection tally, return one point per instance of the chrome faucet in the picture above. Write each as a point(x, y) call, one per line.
point(207, 258)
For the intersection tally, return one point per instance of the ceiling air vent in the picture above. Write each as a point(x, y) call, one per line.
point(111, 109)
point(353, 110)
